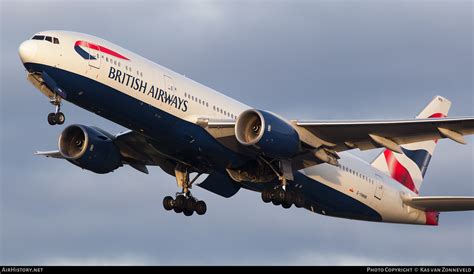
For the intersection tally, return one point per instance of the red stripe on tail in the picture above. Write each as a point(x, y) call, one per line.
point(399, 172)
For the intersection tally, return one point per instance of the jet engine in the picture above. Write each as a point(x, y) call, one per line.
point(90, 148)
point(267, 133)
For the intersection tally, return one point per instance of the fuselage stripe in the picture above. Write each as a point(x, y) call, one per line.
point(100, 48)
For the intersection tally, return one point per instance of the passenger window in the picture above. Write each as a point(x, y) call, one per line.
point(119, 64)
point(56, 40)
point(38, 37)
point(106, 59)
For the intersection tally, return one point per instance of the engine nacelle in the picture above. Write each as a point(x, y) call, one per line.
point(267, 133)
point(90, 148)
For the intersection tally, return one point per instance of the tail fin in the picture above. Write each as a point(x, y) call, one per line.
point(410, 167)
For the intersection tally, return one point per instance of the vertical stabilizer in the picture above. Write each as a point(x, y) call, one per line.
point(410, 167)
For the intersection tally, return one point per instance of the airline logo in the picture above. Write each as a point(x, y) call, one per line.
point(151, 90)
point(405, 174)
point(84, 48)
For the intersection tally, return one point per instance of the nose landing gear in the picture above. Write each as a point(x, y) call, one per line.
point(57, 117)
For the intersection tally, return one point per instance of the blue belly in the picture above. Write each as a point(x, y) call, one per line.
point(172, 136)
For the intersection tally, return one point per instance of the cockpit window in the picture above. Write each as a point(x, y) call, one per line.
point(38, 37)
point(50, 39)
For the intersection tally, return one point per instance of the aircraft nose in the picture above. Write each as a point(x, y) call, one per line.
point(27, 51)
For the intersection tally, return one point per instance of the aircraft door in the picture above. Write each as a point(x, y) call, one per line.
point(378, 187)
point(94, 58)
point(170, 92)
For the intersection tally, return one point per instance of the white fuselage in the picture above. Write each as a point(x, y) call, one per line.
point(188, 100)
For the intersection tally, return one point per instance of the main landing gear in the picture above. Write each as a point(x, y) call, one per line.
point(184, 202)
point(284, 196)
point(57, 117)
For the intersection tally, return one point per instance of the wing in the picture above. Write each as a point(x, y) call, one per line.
point(136, 150)
point(441, 203)
point(344, 135)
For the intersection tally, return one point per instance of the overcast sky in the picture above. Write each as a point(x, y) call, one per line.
point(305, 60)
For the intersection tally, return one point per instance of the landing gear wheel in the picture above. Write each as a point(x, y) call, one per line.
point(289, 198)
point(275, 202)
point(299, 200)
point(59, 118)
point(285, 205)
point(188, 212)
point(51, 119)
point(189, 205)
point(179, 203)
point(168, 203)
point(201, 208)
point(267, 195)
point(279, 196)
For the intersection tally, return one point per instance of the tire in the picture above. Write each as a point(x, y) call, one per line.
point(289, 197)
point(201, 208)
point(286, 205)
point(279, 196)
point(299, 200)
point(267, 195)
point(51, 119)
point(188, 212)
point(177, 210)
point(179, 203)
point(59, 118)
point(189, 205)
point(275, 202)
point(168, 203)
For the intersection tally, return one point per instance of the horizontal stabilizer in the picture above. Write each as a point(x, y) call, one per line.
point(441, 203)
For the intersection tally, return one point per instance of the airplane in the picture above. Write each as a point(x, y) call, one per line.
point(190, 130)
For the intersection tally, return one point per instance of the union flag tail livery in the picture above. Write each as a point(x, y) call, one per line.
point(189, 130)
point(410, 167)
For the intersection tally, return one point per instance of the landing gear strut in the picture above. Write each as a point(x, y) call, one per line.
point(184, 202)
point(57, 117)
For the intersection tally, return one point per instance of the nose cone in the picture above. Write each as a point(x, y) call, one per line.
point(27, 51)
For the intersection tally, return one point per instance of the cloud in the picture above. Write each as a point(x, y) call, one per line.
point(125, 260)
point(305, 60)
